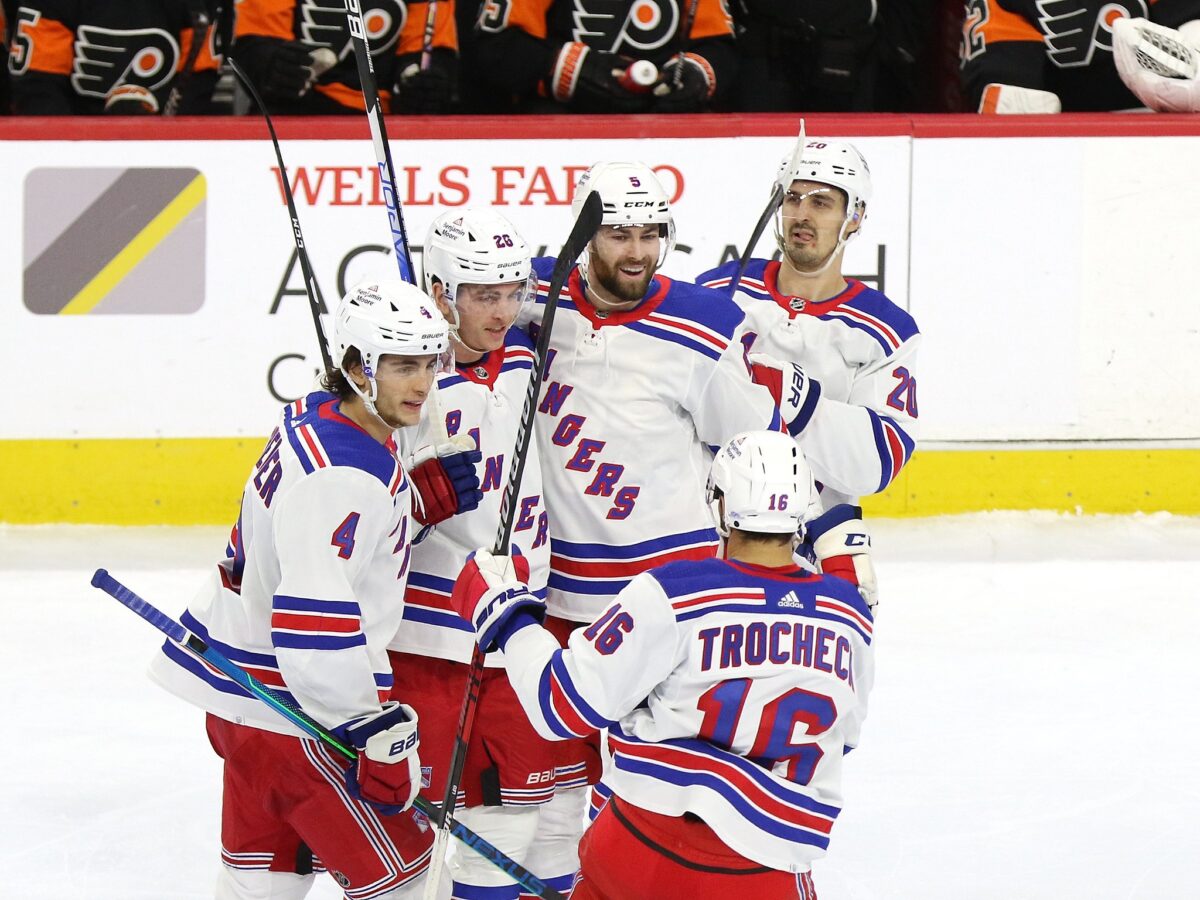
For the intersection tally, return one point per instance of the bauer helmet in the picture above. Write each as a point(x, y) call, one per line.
point(631, 195)
point(389, 316)
point(765, 482)
point(837, 164)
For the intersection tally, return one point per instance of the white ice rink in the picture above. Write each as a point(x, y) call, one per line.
point(1034, 730)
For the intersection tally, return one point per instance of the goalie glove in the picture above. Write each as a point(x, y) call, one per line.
point(445, 482)
point(794, 392)
point(387, 772)
point(1160, 65)
point(492, 595)
point(841, 546)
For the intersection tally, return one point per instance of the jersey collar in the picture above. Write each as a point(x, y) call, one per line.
point(789, 572)
point(789, 305)
point(659, 286)
point(485, 369)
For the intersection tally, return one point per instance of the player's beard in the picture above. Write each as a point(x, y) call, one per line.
point(619, 285)
point(809, 256)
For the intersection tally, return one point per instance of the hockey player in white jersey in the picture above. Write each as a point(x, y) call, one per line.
point(309, 596)
point(477, 268)
point(845, 352)
point(646, 378)
point(731, 689)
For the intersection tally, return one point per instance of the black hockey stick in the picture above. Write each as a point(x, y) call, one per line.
point(685, 36)
point(768, 212)
point(200, 22)
point(383, 155)
point(290, 711)
point(315, 304)
point(581, 232)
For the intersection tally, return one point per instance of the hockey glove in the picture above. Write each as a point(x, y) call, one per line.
point(426, 92)
point(445, 484)
point(492, 594)
point(595, 79)
point(387, 772)
point(130, 100)
point(793, 391)
point(1009, 99)
point(686, 85)
point(283, 70)
point(841, 544)
point(1160, 65)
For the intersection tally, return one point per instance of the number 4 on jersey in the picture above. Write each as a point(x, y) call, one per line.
point(343, 535)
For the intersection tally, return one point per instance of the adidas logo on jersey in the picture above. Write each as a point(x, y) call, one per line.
point(790, 599)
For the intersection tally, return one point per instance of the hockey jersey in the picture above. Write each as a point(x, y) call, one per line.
point(66, 56)
point(483, 399)
point(312, 587)
point(395, 28)
point(632, 405)
point(862, 350)
point(730, 691)
point(1063, 46)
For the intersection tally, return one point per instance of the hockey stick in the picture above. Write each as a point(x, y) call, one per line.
point(582, 231)
point(200, 23)
point(772, 207)
point(685, 35)
point(290, 711)
point(427, 37)
point(383, 156)
point(310, 280)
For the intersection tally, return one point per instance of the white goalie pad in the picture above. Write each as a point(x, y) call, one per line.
point(1160, 65)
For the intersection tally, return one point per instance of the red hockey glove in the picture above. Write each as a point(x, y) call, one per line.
point(794, 392)
point(841, 543)
point(387, 773)
point(446, 484)
point(493, 595)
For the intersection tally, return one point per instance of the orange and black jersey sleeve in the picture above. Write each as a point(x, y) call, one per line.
point(1063, 46)
point(65, 56)
point(395, 32)
point(519, 39)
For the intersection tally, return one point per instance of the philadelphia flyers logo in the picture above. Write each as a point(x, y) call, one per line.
point(105, 58)
point(1074, 29)
point(618, 26)
point(323, 23)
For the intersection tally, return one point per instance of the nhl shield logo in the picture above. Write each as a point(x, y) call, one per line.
point(480, 372)
point(797, 303)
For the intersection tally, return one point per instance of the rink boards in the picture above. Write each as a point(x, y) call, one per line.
point(154, 318)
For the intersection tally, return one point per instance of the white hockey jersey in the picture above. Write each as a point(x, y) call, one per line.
point(631, 408)
point(730, 691)
point(861, 348)
point(483, 399)
point(312, 587)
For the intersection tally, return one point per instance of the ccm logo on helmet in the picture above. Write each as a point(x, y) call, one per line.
point(639, 203)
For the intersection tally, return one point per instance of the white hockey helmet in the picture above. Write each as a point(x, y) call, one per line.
point(765, 483)
point(387, 316)
point(474, 246)
point(837, 164)
point(631, 195)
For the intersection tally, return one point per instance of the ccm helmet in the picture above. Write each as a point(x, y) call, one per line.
point(631, 195)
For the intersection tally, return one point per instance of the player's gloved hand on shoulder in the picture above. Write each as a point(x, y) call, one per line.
point(794, 392)
point(446, 482)
point(387, 772)
point(686, 85)
point(426, 92)
point(492, 594)
point(841, 544)
point(1160, 65)
point(594, 78)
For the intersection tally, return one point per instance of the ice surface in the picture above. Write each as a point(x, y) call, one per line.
point(1033, 728)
